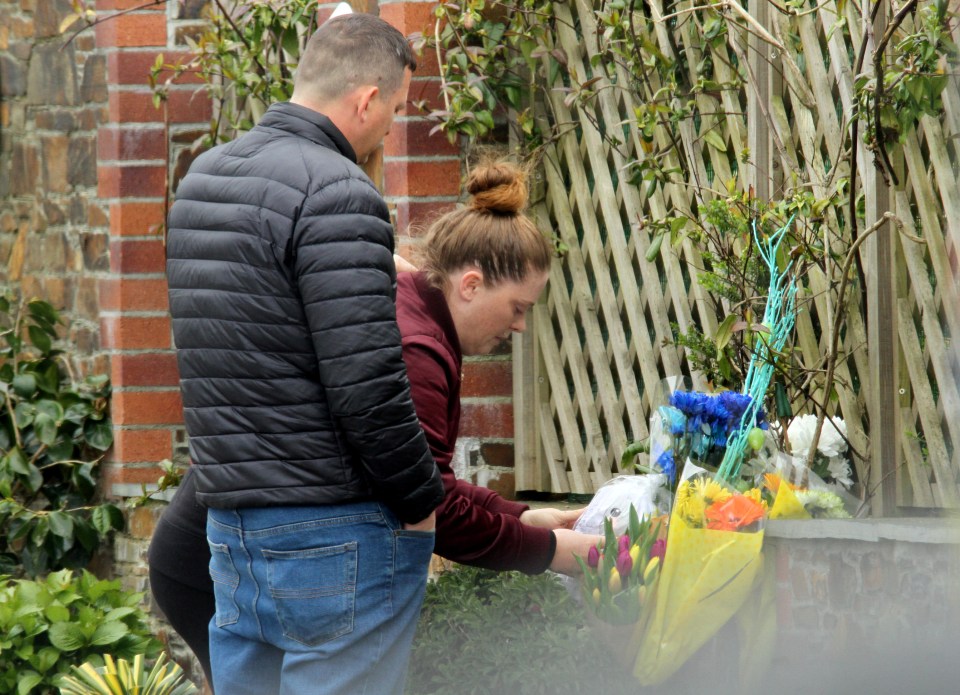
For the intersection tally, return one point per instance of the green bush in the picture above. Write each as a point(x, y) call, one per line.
point(53, 432)
point(49, 625)
point(506, 632)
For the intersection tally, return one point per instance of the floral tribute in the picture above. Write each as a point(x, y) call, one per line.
point(830, 461)
point(715, 537)
point(619, 574)
point(695, 427)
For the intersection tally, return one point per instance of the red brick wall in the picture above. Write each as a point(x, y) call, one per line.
point(132, 175)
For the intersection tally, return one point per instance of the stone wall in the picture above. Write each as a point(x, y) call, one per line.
point(54, 235)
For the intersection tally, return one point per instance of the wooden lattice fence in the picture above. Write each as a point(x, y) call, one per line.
point(602, 340)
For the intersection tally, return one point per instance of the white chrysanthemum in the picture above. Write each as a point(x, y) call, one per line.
point(840, 471)
point(822, 504)
point(831, 444)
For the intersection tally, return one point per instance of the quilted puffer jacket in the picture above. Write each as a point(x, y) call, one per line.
point(281, 285)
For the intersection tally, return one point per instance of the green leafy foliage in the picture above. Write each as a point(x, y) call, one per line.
point(53, 432)
point(49, 625)
point(506, 632)
point(246, 60)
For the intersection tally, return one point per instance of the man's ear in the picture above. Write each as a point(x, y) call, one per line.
point(365, 96)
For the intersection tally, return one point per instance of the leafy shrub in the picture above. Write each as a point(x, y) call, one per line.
point(53, 432)
point(49, 625)
point(506, 632)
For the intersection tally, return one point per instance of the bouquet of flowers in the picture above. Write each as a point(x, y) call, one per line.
point(829, 462)
point(695, 426)
point(618, 575)
point(715, 537)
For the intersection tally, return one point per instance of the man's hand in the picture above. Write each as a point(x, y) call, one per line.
point(403, 265)
point(551, 518)
point(570, 543)
point(428, 524)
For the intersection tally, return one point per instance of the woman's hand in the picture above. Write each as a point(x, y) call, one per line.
point(551, 518)
point(570, 544)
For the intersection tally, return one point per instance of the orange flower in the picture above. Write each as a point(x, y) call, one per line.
point(772, 481)
point(734, 514)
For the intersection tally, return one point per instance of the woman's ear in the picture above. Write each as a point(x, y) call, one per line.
point(470, 283)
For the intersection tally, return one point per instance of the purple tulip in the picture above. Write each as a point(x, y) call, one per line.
point(624, 563)
point(623, 543)
point(593, 556)
point(658, 549)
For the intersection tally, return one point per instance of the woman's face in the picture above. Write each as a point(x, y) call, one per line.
point(486, 315)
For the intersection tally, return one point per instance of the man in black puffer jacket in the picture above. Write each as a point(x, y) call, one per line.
point(307, 450)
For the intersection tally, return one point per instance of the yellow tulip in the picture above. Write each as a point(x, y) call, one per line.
point(651, 569)
point(614, 583)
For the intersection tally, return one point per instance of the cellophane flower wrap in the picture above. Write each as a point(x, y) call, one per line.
point(715, 538)
point(619, 574)
point(695, 426)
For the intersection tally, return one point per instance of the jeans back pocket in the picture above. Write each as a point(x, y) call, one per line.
point(226, 579)
point(314, 590)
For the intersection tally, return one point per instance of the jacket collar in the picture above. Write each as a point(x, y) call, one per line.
point(309, 124)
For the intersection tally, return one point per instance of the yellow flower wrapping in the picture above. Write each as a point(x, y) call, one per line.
point(706, 577)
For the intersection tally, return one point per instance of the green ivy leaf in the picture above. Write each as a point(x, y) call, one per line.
point(40, 339)
point(61, 524)
point(45, 428)
point(43, 311)
point(98, 434)
point(17, 462)
point(25, 385)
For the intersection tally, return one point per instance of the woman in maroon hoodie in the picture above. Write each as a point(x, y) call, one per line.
point(483, 266)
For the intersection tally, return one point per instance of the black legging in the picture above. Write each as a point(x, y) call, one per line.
point(188, 610)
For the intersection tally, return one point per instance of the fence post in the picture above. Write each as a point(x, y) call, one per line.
point(759, 95)
point(881, 297)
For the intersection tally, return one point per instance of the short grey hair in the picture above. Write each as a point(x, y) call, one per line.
point(350, 51)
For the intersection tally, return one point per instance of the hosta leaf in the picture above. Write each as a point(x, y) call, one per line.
point(66, 637)
point(27, 681)
point(109, 632)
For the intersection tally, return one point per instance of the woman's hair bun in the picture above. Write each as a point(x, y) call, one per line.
point(498, 187)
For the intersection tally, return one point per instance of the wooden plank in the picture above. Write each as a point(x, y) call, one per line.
point(586, 308)
point(936, 348)
point(938, 457)
point(917, 467)
point(529, 469)
point(553, 452)
point(758, 98)
point(578, 477)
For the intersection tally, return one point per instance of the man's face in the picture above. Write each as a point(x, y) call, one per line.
point(381, 110)
point(496, 312)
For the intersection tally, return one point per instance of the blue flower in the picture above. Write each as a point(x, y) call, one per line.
point(676, 421)
point(666, 464)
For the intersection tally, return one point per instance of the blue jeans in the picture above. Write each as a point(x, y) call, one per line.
point(314, 600)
